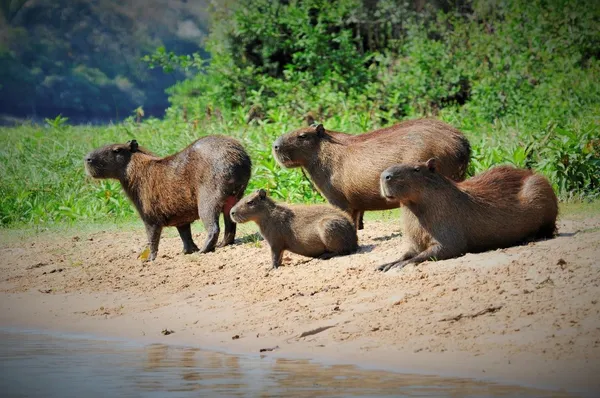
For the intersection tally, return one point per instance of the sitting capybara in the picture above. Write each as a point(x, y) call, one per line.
point(203, 180)
point(345, 168)
point(501, 207)
point(313, 231)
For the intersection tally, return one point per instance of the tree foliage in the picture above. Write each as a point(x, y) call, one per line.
point(83, 59)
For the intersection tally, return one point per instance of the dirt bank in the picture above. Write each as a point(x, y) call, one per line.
point(527, 315)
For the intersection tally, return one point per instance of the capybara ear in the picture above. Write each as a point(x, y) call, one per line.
point(320, 130)
point(133, 145)
point(431, 164)
point(262, 193)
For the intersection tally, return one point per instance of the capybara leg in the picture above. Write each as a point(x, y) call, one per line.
point(185, 232)
point(211, 224)
point(357, 218)
point(153, 232)
point(276, 255)
point(230, 228)
point(338, 237)
point(361, 224)
point(433, 252)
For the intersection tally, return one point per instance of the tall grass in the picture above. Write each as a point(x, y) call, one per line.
point(44, 181)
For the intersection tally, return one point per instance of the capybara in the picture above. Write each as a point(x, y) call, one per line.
point(501, 207)
point(203, 180)
point(345, 168)
point(312, 230)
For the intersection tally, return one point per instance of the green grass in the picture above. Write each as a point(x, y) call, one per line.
point(44, 182)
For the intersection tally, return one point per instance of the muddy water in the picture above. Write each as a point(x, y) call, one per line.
point(45, 365)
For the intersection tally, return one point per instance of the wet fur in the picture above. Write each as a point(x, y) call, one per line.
point(501, 207)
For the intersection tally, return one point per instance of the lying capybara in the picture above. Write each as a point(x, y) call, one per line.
point(203, 180)
point(345, 168)
point(501, 207)
point(313, 231)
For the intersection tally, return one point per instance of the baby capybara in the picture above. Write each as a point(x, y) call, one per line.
point(345, 168)
point(501, 207)
point(202, 181)
point(313, 231)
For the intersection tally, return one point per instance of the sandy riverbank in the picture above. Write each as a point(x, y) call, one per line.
point(528, 315)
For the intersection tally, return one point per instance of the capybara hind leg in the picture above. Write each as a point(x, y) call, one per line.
point(357, 218)
point(230, 228)
point(185, 232)
point(210, 219)
point(153, 232)
point(339, 238)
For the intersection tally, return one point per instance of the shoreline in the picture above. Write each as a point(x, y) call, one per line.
point(443, 369)
point(525, 316)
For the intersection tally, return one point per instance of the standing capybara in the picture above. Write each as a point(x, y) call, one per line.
point(313, 231)
point(345, 168)
point(501, 207)
point(205, 179)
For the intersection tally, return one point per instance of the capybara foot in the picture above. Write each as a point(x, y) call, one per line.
point(389, 266)
point(224, 243)
point(327, 256)
point(207, 250)
point(190, 250)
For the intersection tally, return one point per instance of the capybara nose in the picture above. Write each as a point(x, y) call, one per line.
point(387, 176)
point(232, 213)
point(277, 144)
point(88, 160)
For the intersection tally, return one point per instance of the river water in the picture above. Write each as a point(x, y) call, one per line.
point(33, 364)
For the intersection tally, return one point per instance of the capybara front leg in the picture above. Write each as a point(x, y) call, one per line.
point(276, 255)
point(185, 232)
point(153, 232)
point(210, 219)
point(433, 252)
point(230, 228)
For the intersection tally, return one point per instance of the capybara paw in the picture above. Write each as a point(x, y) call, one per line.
point(389, 266)
point(225, 243)
point(191, 250)
point(385, 267)
point(207, 250)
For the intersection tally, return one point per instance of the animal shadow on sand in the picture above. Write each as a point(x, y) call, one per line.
point(388, 237)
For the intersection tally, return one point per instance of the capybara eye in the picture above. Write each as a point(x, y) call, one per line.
point(417, 169)
point(302, 136)
point(116, 150)
point(251, 203)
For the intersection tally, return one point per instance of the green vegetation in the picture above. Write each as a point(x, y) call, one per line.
point(520, 78)
point(83, 58)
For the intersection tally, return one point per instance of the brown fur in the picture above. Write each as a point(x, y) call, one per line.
point(312, 231)
point(502, 207)
point(201, 181)
point(345, 168)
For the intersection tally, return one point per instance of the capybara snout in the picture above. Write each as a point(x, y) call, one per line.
point(110, 161)
point(396, 181)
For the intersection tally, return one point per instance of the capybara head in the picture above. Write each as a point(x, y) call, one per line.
point(251, 207)
point(292, 149)
point(110, 161)
point(403, 182)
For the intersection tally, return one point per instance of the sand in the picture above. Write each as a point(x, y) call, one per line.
point(527, 315)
